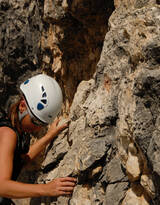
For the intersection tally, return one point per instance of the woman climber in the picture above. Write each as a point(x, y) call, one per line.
point(38, 105)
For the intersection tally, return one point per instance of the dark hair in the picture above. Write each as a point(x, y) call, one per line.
point(13, 114)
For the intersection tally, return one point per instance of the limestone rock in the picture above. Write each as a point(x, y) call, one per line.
point(20, 29)
point(147, 183)
point(133, 168)
point(73, 38)
point(135, 195)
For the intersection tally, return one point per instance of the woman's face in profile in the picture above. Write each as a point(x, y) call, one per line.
point(29, 126)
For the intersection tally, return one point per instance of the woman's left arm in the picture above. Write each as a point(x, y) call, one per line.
point(40, 144)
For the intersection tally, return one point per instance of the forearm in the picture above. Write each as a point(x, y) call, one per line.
point(13, 189)
point(39, 146)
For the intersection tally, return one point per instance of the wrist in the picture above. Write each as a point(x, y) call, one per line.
point(42, 190)
point(51, 134)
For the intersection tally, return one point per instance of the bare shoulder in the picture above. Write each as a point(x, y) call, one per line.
point(7, 133)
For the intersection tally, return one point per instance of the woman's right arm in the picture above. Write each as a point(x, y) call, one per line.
point(13, 189)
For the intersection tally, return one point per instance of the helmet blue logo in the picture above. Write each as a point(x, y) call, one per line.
point(40, 106)
point(27, 81)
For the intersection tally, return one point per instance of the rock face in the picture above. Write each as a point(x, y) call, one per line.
point(108, 66)
point(20, 29)
point(72, 40)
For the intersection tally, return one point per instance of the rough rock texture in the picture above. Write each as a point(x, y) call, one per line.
point(20, 34)
point(72, 40)
point(112, 143)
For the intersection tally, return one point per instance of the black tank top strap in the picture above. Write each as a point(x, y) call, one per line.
point(23, 139)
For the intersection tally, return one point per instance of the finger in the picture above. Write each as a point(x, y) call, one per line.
point(71, 184)
point(62, 127)
point(66, 189)
point(64, 122)
point(71, 179)
point(57, 121)
point(66, 192)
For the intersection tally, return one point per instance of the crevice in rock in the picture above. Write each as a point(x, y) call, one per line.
point(79, 36)
point(86, 177)
point(49, 167)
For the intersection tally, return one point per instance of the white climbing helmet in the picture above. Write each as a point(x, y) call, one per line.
point(43, 96)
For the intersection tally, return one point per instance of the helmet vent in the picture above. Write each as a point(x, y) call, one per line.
point(42, 89)
point(44, 95)
point(43, 101)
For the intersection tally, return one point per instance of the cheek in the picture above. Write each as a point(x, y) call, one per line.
point(37, 128)
point(26, 121)
point(33, 127)
point(28, 125)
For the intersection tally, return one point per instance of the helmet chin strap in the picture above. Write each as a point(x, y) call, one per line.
point(22, 115)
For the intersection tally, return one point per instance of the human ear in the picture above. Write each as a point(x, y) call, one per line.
point(22, 106)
